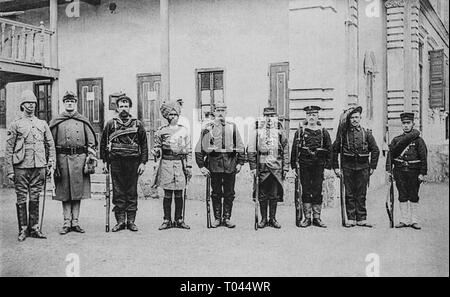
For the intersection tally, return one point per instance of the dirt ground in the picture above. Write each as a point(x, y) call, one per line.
point(242, 251)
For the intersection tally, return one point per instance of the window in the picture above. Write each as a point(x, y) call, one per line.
point(437, 79)
point(3, 108)
point(43, 92)
point(210, 90)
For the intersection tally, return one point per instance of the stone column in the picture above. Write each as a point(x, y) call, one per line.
point(54, 55)
point(402, 58)
point(352, 53)
point(165, 50)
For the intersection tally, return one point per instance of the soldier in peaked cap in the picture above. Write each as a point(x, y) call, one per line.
point(408, 154)
point(124, 147)
point(359, 155)
point(76, 147)
point(269, 145)
point(220, 154)
point(29, 155)
point(311, 153)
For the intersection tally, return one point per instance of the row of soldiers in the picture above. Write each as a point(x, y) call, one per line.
point(67, 149)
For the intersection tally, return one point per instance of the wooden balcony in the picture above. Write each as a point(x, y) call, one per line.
point(25, 52)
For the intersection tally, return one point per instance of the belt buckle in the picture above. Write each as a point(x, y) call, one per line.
point(73, 150)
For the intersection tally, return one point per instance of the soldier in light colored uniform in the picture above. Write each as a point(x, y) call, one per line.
point(30, 153)
point(173, 146)
point(76, 144)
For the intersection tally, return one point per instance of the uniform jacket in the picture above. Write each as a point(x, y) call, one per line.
point(273, 151)
point(304, 148)
point(140, 137)
point(72, 130)
point(405, 148)
point(220, 147)
point(360, 150)
point(173, 145)
point(29, 144)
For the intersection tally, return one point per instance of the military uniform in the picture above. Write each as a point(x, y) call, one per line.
point(173, 146)
point(359, 154)
point(124, 147)
point(29, 151)
point(408, 154)
point(271, 143)
point(220, 150)
point(76, 144)
point(311, 153)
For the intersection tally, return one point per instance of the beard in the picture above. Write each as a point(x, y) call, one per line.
point(124, 114)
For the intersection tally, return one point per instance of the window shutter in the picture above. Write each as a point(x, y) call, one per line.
point(446, 82)
point(437, 76)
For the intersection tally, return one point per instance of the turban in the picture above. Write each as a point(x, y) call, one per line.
point(167, 108)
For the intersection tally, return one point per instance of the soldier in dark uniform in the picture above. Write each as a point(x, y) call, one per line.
point(311, 152)
point(29, 155)
point(359, 158)
point(124, 147)
point(220, 154)
point(273, 150)
point(408, 154)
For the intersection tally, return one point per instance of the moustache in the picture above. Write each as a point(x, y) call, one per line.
point(123, 113)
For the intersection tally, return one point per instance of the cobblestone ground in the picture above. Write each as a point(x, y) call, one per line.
point(290, 251)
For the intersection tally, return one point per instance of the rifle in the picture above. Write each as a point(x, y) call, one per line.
point(208, 199)
point(257, 179)
point(185, 188)
point(107, 198)
point(298, 197)
point(340, 133)
point(43, 200)
point(390, 195)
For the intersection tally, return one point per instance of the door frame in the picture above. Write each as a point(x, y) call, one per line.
point(102, 101)
point(286, 117)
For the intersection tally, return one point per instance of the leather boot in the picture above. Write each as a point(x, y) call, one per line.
point(166, 224)
point(263, 208)
point(22, 217)
point(307, 208)
point(120, 218)
point(131, 216)
point(227, 207)
point(33, 208)
point(217, 208)
point(181, 224)
point(317, 209)
point(272, 214)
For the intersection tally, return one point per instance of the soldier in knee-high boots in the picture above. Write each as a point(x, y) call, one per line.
point(269, 150)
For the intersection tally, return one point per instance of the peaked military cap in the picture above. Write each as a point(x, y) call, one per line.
point(269, 111)
point(357, 109)
point(311, 109)
point(69, 95)
point(407, 116)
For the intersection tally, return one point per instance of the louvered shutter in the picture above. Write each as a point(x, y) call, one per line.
point(437, 76)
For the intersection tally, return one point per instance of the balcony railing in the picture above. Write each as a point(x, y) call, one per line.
point(25, 43)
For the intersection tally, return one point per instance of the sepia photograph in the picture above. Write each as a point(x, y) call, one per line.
point(224, 145)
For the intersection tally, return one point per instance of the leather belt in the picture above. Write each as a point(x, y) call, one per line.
point(71, 150)
point(407, 163)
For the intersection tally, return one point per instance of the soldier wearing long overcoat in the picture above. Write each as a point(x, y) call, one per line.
point(76, 145)
point(269, 150)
